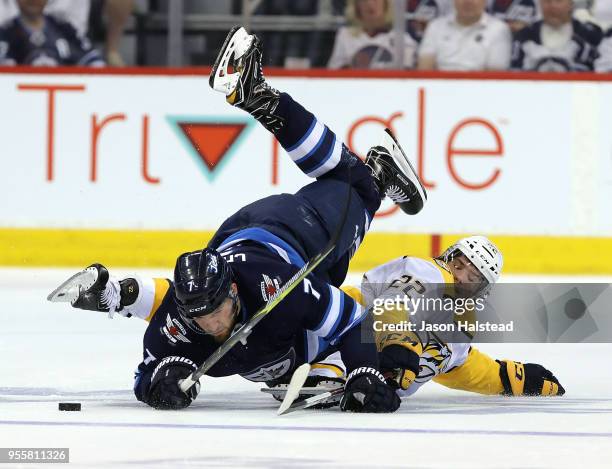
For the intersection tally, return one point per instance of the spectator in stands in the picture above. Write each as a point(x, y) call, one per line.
point(468, 39)
point(115, 14)
point(516, 13)
point(558, 42)
point(33, 38)
point(368, 41)
point(419, 13)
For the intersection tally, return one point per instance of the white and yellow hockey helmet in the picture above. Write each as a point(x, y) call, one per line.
point(481, 252)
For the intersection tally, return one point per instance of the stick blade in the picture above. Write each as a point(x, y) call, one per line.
point(314, 400)
point(293, 390)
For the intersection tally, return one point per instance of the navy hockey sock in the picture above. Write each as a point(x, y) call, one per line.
point(320, 154)
point(310, 143)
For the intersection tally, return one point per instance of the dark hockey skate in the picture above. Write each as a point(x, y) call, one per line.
point(92, 289)
point(246, 87)
point(395, 176)
point(313, 386)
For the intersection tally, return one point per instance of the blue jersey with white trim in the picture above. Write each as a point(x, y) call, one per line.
point(57, 43)
point(578, 54)
point(314, 319)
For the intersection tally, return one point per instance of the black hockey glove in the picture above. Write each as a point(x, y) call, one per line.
point(529, 379)
point(367, 391)
point(399, 363)
point(164, 392)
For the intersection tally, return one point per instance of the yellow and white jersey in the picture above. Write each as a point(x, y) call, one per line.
point(377, 280)
point(435, 358)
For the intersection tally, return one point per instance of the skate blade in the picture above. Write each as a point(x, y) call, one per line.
point(236, 44)
point(69, 290)
point(399, 156)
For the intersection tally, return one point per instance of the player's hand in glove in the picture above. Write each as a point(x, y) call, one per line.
point(528, 379)
point(367, 391)
point(164, 392)
point(399, 363)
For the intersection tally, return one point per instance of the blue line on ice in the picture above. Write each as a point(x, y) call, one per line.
point(309, 429)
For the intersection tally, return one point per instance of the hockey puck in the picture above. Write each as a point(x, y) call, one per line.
point(70, 406)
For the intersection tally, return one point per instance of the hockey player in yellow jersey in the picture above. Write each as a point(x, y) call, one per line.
point(469, 268)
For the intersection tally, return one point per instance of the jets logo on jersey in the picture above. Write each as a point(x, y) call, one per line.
point(268, 287)
point(174, 331)
point(272, 370)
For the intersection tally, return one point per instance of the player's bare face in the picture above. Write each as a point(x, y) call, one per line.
point(466, 275)
point(220, 322)
point(556, 13)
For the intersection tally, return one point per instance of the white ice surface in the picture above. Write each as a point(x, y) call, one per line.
point(50, 353)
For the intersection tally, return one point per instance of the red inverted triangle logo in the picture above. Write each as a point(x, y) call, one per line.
point(211, 141)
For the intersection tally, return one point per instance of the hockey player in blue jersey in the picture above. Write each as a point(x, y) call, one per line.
point(256, 250)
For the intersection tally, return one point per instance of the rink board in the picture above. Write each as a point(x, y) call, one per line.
point(95, 161)
point(151, 248)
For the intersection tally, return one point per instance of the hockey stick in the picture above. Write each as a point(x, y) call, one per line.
point(281, 393)
point(311, 401)
point(295, 388)
point(241, 334)
point(295, 385)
